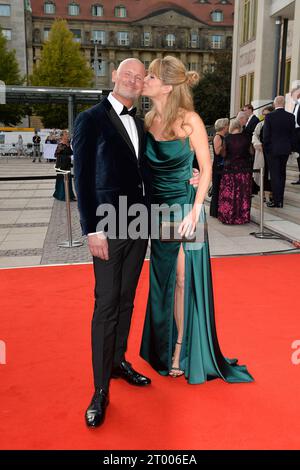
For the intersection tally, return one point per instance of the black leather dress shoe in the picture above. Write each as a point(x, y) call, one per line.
point(126, 372)
point(273, 204)
point(95, 414)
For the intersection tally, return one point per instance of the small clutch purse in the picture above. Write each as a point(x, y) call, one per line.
point(168, 232)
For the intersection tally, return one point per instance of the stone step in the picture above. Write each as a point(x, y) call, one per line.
point(289, 212)
point(279, 222)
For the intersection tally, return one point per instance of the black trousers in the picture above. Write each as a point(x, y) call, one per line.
point(115, 285)
point(277, 167)
point(297, 142)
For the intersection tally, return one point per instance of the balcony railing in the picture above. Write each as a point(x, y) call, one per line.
point(203, 44)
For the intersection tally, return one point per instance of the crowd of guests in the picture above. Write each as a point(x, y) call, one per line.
point(246, 143)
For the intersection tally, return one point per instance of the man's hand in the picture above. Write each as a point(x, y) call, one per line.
point(98, 246)
point(195, 178)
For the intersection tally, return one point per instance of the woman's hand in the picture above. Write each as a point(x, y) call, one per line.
point(189, 223)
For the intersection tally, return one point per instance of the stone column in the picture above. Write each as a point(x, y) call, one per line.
point(295, 67)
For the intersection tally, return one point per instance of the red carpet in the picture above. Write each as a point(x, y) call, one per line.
point(46, 383)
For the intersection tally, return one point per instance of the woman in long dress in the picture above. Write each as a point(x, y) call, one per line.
point(221, 128)
point(236, 182)
point(179, 334)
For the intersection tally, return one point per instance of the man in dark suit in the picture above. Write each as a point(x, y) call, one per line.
point(278, 135)
point(296, 98)
point(108, 144)
point(252, 119)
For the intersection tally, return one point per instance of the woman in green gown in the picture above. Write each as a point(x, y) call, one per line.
point(179, 334)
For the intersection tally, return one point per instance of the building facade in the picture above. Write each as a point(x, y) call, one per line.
point(110, 31)
point(12, 23)
point(266, 51)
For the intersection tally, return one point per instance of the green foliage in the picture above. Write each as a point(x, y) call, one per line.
point(62, 64)
point(212, 95)
point(10, 114)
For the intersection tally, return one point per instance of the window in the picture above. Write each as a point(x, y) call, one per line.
point(246, 21)
point(146, 39)
point(5, 10)
point(146, 64)
point(216, 42)
point(250, 87)
point(243, 86)
point(46, 34)
point(254, 19)
point(100, 68)
point(145, 103)
point(99, 36)
point(193, 66)
point(73, 9)
point(97, 10)
point(123, 38)
point(287, 77)
point(7, 34)
point(194, 40)
point(170, 40)
point(76, 34)
point(229, 42)
point(249, 18)
point(49, 8)
point(217, 16)
point(120, 12)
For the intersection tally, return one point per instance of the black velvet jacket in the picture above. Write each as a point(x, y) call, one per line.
point(105, 163)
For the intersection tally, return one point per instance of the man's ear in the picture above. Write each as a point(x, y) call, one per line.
point(114, 76)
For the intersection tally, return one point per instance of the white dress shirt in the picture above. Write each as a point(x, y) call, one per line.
point(127, 121)
point(129, 124)
point(296, 114)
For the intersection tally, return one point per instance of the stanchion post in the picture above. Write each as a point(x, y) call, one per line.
point(68, 207)
point(262, 233)
point(261, 200)
point(70, 243)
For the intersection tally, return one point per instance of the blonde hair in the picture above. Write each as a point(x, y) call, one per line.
point(235, 124)
point(220, 124)
point(171, 71)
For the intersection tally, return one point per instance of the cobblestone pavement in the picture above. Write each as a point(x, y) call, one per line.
point(57, 233)
point(33, 223)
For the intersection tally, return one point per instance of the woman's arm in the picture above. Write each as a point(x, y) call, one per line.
point(199, 142)
point(218, 144)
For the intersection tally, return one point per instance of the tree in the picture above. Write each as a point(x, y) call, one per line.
point(62, 64)
point(212, 95)
point(10, 114)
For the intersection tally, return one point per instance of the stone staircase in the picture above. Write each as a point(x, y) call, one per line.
point(285, 221)
point(291, 209)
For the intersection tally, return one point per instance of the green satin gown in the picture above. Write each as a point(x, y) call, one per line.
point(201, 357)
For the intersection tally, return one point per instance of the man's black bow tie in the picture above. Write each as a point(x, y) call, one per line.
point(125, 110)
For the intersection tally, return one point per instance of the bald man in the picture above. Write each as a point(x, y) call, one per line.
point(278, 135)
point(108, 146)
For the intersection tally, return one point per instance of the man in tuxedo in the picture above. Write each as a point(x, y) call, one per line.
point(296, 98)
point(109, 162)
point(278, 135)
point(252, 120)
point(108, 145)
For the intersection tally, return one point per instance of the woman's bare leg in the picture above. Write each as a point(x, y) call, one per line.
point(178, 312)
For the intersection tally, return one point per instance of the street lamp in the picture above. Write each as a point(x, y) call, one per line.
point(95, 64)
